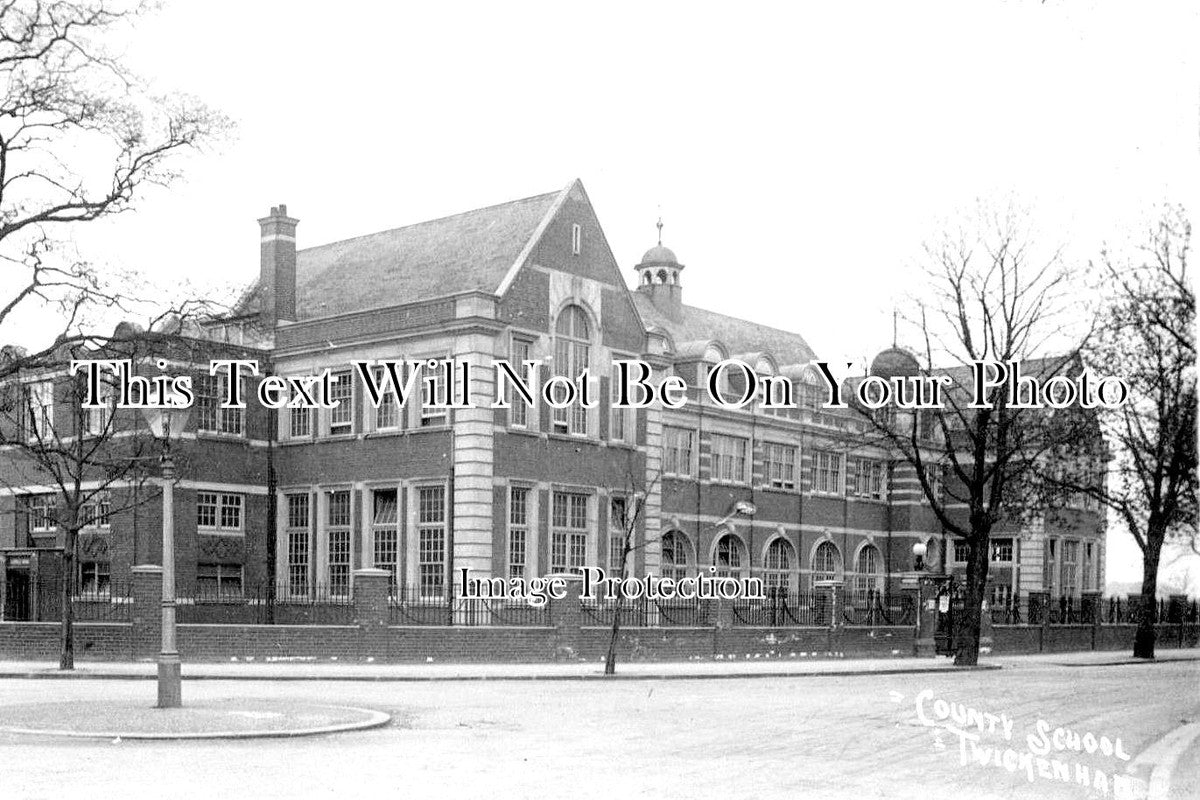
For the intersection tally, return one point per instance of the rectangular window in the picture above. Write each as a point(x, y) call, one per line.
point(216, 511)
point(93, 578)
point(618, 423)
point(728, 458)
point(933, 476)
point(1070, 568)
point(387, 415)
point(210, 417)
point(97, 421)
point(218, 581)
point(433, 395)
point(781, 465)
point(341, 416)
point(1001, 596)
point(337, 532)
point(206, 509)
point(1052, 583)
point(568, 543)
point(827, 472)
point(1089, 566)
point(42, 513)
point(37, 410)
point(518, 531)
point(385, 532)
point(576, 239)
point(431, 540)
point(1002, 550)
point(518, 413)
point(617, 522)
point(96, 512)
point(865, 478)
point(678, 451)
point(299, 420)
point(300, 423)
point(297, 543)
point(962, 550)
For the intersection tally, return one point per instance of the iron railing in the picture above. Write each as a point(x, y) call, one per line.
point(108, 603)
point(91, 601)
point(875, 609)
point(1008, 612)
point(644, 612)
point(266, 604)
point(409, 606)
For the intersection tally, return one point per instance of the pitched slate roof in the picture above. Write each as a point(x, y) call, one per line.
point(471, 251)
point(737, 335)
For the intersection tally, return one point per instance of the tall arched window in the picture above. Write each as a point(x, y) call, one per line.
point(572, 351)
point(676, 556)
point(777, 564)
point(868, 576)
point(809, 391)
point(728, 556)
point(827, 563)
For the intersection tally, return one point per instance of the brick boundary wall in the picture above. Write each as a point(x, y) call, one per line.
point(370, 637)
point(443, 644)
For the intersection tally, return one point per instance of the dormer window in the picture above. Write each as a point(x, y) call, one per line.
point(576, 239)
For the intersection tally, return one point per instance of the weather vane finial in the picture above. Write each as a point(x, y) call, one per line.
point(659, 226)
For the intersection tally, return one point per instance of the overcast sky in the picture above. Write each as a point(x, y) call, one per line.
point(799, 155)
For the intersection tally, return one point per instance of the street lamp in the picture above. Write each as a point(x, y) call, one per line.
point(919, 549)
point(167, 424)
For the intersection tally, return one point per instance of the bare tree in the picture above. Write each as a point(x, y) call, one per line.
point(88, 463)
point(632, 511)
point(80, 139)
point(992, 298)
point(1149, 339)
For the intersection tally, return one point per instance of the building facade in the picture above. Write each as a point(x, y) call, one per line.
point(301, 498)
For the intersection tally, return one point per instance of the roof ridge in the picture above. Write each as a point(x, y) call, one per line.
point(434, 219)
point(743, 319)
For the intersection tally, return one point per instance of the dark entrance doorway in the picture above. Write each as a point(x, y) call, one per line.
point(17, 606)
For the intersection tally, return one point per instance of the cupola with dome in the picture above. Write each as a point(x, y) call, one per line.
point(658, 277)
point(895, 362)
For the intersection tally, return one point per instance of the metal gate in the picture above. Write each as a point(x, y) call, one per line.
point(949, 604)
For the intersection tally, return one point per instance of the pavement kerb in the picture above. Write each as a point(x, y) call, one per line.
point(412, 678)
point(376, 719)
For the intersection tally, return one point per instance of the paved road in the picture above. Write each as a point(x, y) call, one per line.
point(854, 737)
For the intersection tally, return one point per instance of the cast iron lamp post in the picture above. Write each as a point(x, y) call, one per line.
point(167, 424)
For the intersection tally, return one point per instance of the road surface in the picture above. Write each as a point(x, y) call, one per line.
point(957, 735)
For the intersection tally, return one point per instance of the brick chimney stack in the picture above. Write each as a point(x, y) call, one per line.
point(277, 267)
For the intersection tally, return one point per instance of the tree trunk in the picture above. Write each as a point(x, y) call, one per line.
point(1143, 639)
point(610, 660)
point(66, 658)
point(966, 652)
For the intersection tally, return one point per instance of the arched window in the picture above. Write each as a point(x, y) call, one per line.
point(777, 565)
point(572, 351)
point(827, 563)
point(868, 578)
point(728, 556)
point(676, 556)
point(809, 390)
